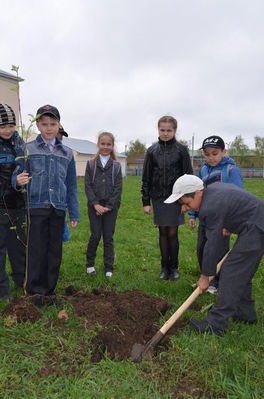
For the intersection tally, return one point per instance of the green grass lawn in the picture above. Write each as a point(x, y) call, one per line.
point(194, 366)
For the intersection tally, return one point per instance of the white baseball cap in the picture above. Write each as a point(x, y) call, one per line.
point(186, 184)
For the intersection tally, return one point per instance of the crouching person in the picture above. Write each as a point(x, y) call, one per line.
point(224, 209)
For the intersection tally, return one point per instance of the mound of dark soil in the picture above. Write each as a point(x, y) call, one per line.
point(120, 319)
point(124, 319)
point(21, 310)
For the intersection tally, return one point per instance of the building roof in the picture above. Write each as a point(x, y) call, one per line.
point(83, 146)
point(8, 76)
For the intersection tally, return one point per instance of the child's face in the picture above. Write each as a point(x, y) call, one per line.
point(7, 131)
point(213, 155)
point(166, 131)
point(48, 127)
point(191, 204)
point(105, 145)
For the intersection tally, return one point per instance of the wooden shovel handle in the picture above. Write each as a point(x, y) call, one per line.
point(188, 301)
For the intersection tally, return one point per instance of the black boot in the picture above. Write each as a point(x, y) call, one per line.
point(164, 275)
point(174, 272)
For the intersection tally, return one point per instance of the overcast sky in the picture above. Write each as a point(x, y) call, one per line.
point(119, 65)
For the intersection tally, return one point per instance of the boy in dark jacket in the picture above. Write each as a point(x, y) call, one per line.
point(224, 209)
point(216, 167)
point(12, 214)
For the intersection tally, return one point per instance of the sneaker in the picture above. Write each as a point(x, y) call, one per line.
point(108, 274)
point(91, 271)
point(212, 290)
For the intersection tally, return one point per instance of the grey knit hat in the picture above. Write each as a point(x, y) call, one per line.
point(7, 115)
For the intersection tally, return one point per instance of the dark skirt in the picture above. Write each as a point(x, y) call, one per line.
point(167, 214)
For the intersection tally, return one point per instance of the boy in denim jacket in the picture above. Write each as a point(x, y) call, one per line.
point(12, 213)
point(52, 186)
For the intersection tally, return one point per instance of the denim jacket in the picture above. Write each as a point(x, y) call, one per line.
point(53, 177)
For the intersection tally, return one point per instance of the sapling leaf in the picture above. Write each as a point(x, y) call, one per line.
point(12, 228)
point(14, 68)
point(21, 157)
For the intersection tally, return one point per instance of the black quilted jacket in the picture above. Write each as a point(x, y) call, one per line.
point(164, 162)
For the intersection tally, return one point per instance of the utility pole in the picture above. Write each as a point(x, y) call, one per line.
point(192, 148)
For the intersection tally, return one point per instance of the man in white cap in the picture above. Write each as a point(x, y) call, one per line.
point(225, 209)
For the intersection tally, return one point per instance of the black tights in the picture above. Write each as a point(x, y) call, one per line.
point(169, 245)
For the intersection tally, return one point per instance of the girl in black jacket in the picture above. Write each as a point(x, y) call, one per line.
point(165, 161)
point(103, 187)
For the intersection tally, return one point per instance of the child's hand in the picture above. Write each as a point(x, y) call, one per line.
point(22, 179)
point(203, 283)
point(99, 209)
point(73, 223)
point(147, 209)
point(192, 223)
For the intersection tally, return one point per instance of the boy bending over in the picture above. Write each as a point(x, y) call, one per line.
point(224, 209)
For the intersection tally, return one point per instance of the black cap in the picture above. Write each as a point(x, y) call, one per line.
point(213, 141)
point(49, 110)
point(62, 131)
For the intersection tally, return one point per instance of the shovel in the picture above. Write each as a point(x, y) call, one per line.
point(140, 352)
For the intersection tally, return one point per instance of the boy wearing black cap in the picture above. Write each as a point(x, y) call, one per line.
point(52, 186)
point(222, 208)
point(216, 167)
point(12, 214)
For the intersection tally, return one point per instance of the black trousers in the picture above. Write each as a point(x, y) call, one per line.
point(12, 241)
point(235, 283)
point(101, 225)
point(45, 250)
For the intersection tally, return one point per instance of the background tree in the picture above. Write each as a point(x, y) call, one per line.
point(136, 148)
point(259, 150)
point(185, 142)
point(239, 151)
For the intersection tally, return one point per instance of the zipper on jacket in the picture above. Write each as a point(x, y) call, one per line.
point(164, 172)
